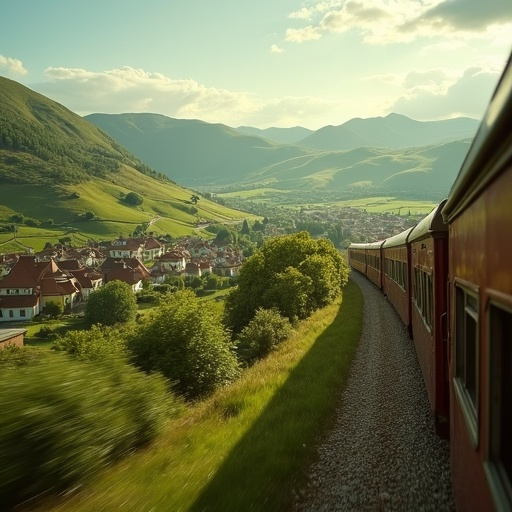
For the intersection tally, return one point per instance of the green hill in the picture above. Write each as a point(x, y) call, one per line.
point(203, 155)
point(62, 176)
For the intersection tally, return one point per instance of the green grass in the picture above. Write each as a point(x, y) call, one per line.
point(245, 448)
point(391, 204)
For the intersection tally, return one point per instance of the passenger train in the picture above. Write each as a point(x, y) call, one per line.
point(450, 280)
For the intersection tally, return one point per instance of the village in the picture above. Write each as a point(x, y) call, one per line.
point(67, 275)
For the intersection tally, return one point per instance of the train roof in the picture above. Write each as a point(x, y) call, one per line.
point(397, 240)
point(432, 224)
point(490, 150)
point(369, 245)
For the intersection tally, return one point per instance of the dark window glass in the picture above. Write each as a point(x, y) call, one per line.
point(501, 399)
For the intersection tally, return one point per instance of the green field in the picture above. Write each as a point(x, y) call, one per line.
point(60, 211)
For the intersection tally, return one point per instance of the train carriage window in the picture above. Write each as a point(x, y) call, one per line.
point(500, 322)
point(466, 356)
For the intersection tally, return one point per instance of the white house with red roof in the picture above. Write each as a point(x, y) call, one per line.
point(30, 285)
point(128, 270)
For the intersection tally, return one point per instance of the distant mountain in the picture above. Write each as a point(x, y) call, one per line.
point(193, 152)
point(58, 169)
point(393, 131)
point(279, 135)
point(203, 155)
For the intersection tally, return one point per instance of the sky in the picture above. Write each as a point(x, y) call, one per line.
point(261, 63)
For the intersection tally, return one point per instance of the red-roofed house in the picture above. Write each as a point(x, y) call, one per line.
point(127, 270)
point(30, 285)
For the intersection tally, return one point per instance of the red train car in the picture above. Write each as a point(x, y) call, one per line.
point(479, 215)
point(374, 262)
point(357, 257)
point(429, 276)
point(396, 277)
point(367, 259)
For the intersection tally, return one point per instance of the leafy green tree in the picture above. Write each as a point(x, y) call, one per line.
point(54, 309)
point(112, 304)
point(188, 344)
point(133, 198)
point(245, 228)
point(262, 335)
point(294, 273)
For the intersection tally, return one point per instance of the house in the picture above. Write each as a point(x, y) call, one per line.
point(128, 270)
point(125, 248)
point(14, 337)
point(89, 280)
point(31, 284)
point(172, 261)
point(142, 248)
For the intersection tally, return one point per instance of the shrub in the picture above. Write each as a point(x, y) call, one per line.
point(62, 420)
point(53, 309)
point(45, 332)
point(12, 357)
point(97, 343)
point(147, 299)
point(111, 304)
point(186, 341)
point(133, 198)
point(262, 335)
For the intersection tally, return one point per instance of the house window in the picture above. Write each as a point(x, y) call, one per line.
point(500, 327)
point(466, 356)
point(11, 313)
point(22, 312)
point(1, 313)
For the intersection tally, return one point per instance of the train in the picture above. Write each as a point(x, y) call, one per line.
point(450, 280)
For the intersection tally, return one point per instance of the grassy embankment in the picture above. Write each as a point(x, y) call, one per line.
point(246, 447)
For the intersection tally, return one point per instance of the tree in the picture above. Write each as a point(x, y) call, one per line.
point(54, 309)
point(295, 274)
point(245, 228)
point(134, 199)
point(188, 344)
point(112, 304)
point(262, 335)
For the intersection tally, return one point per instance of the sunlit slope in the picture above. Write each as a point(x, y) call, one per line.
point(204, 155)
point(60, 174)
point(193, 152)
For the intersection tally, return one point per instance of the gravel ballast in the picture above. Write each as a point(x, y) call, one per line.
point(382, 453)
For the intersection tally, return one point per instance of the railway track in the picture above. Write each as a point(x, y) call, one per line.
point(382, 453)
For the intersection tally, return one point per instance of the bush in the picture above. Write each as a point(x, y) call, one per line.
point(133, 198)
point(53, 309)
point(112, 304)
point(46, 332)
point(262, 335)
point(147, 299)
point(61, 421)
point(186, 341)
point(97, 343)
point(12, 357)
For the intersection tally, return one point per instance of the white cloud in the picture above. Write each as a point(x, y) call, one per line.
point(135, 90)
point(12, 66)
point(276, 49)
point(391, 21)
point(436, 95)
point(300, 35)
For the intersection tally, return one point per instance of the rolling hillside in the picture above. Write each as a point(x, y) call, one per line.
point(202, 155)
point(59, 174)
